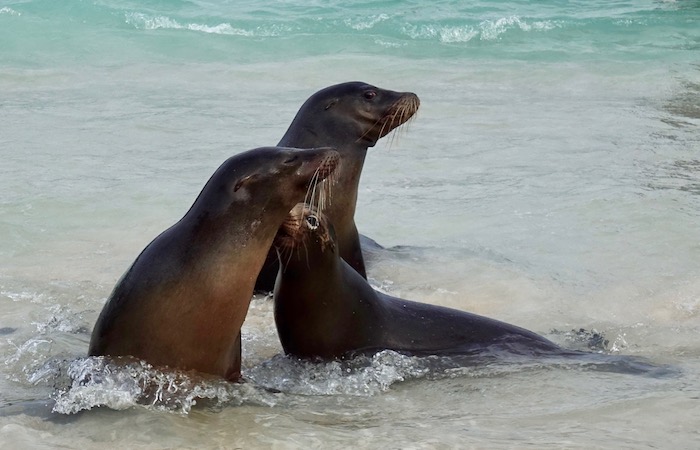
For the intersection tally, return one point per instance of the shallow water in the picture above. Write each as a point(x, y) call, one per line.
point(550, 180)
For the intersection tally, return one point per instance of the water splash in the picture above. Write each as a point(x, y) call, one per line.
point(85, 383)
point(360, 376)
point(63, 320)
point(22, 363)
point(121, 383)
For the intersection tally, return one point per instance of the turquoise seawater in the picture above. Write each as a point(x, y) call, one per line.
point(37, 34)
point(551, 179)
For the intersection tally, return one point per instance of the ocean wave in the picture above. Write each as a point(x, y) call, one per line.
point(487, 30)
point(146, 22)
point(493, 29)
point(366, 23)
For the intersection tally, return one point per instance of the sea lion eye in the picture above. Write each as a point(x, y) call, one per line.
point(291, 159)
point(369, 95)
point(312, 222)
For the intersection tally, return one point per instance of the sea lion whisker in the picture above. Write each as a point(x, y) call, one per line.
point(321, 200)
point(331, 183)
point(289, 257)
point(363, 135)
point(308, 191)
point(383, 120)
point(315, 199)
point(323, 194)
point(386, 125)
point(408, 115)
point(312, 187)
point(318, 199)
point(313, 194)
point(306, 251)
point(326, 195)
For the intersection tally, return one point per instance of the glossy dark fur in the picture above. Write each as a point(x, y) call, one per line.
point(325, 309)
point(183, 301)
point(350, 117)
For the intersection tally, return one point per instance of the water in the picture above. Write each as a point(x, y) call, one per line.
point(551, 180)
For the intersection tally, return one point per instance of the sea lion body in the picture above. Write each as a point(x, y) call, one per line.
point(350, 117)
point(325, 309)
point(183, 301)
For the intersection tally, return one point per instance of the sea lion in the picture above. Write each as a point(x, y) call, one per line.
point(182, 302)
point(325, 309)
point(350, 117)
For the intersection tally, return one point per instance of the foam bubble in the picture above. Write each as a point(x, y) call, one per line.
point(9, 11)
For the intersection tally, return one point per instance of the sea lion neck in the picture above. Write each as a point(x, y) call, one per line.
point(310, 134)
point(308, 257)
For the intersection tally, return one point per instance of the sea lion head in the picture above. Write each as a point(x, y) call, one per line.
point(268, 176)
point(356, 112)
point(305, 231)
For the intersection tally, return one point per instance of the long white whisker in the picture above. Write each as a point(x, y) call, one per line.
point(289, 258)
point(312, 187)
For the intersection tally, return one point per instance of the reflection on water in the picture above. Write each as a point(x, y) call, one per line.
point(683, 175)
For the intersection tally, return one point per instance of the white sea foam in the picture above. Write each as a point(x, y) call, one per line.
point(366, 22)
point(86, 383)
point(148, 22)
point(9, 11)
point(486, 30)
point(493, 29)
point(361, 376)
point(387, 44)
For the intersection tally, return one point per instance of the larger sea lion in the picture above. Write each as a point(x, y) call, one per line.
point(182, 302)
point(350, 117)
point(325, 309)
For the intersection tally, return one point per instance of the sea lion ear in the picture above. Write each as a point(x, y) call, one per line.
point(243, 181)
point(331, 104)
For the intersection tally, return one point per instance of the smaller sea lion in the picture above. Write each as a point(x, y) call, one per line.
point(324, 309)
